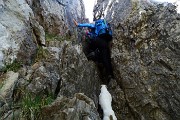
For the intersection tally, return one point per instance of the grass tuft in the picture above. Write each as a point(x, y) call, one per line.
point(54, 37)
point(15, 66)
point(31, 106)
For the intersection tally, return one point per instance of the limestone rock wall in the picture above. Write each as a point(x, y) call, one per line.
point(16, 33)
point(56, 15)
point(146, 58)
point(64, 74)
point(23, 29)
point(45, 70)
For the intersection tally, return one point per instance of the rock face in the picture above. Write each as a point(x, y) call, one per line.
point(60, 71)
point(56, 15)
point(146, 59)
point(23, 29)
point(57, 77)
point(16, 33)
point(80, 107)
point(65, 74)
point(65, 71)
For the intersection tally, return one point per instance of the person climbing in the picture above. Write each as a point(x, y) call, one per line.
point(100, 36)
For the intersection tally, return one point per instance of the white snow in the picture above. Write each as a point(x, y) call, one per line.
point(105, 100)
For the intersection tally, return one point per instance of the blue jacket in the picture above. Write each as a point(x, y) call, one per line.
point(91, 26)
point(99, 29)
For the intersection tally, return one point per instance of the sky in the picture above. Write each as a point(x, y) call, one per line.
point(89, 4)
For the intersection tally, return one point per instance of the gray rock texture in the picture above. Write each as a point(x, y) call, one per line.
point(59, 69)
point(80, 107)
point(56, 16)
point(16, 34)
point(146, 58)
point(23, 29)
point(56, 81)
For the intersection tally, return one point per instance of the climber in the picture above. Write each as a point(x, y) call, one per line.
point(100, 37)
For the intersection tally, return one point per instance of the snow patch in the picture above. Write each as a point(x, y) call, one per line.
point(105, 100)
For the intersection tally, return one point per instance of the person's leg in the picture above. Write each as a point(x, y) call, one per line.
point(88, 48)
point(105, 56)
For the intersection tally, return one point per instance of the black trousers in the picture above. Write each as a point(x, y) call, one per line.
point(104, 55)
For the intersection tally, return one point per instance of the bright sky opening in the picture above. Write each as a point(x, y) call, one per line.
point(89, 5)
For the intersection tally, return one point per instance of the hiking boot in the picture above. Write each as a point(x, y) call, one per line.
point(97, 51)
point(91, 56)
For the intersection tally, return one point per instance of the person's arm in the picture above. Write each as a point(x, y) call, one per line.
point(75, 22)
point(84, 24)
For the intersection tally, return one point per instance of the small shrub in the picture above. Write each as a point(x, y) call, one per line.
point(54, 37)
point(15, 66)
point(31, 106)
point(41, 54)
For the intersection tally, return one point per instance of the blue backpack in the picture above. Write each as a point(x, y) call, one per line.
point(102, 28)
